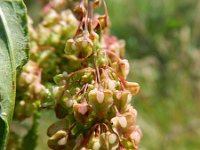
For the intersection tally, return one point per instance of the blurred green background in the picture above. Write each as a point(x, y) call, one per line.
point(163, 47)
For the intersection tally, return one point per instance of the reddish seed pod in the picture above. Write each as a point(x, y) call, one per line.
point(79, 12)
point(81, 111)
point(134, 87)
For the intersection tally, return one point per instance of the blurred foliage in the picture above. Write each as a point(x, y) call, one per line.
point(163, 46)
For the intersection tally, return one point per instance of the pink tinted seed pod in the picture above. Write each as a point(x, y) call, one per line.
point(134, 87)
point(100, 96)
point(124, 66)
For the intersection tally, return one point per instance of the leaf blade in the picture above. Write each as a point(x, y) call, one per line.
point(13, 55)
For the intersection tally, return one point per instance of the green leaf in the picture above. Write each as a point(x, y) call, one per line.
point(13, 55)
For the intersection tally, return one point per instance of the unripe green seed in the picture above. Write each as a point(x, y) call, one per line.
point(102, 103)
point(58, 78)
point(70, 103)
point(96, 145)
point(112, 138)
point(122, 99)
point(58, 140)
point(60, 125)
point(73, 46)
point(58, 92)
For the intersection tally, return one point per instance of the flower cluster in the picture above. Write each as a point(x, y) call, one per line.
point(31, 91)
point(92, 97)
point(47, 41)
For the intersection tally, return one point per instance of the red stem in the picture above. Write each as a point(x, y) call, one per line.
point(106, 11)
point(119, 77)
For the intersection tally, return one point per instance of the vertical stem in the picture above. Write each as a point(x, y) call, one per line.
point(90, 13)
point(106, 11)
